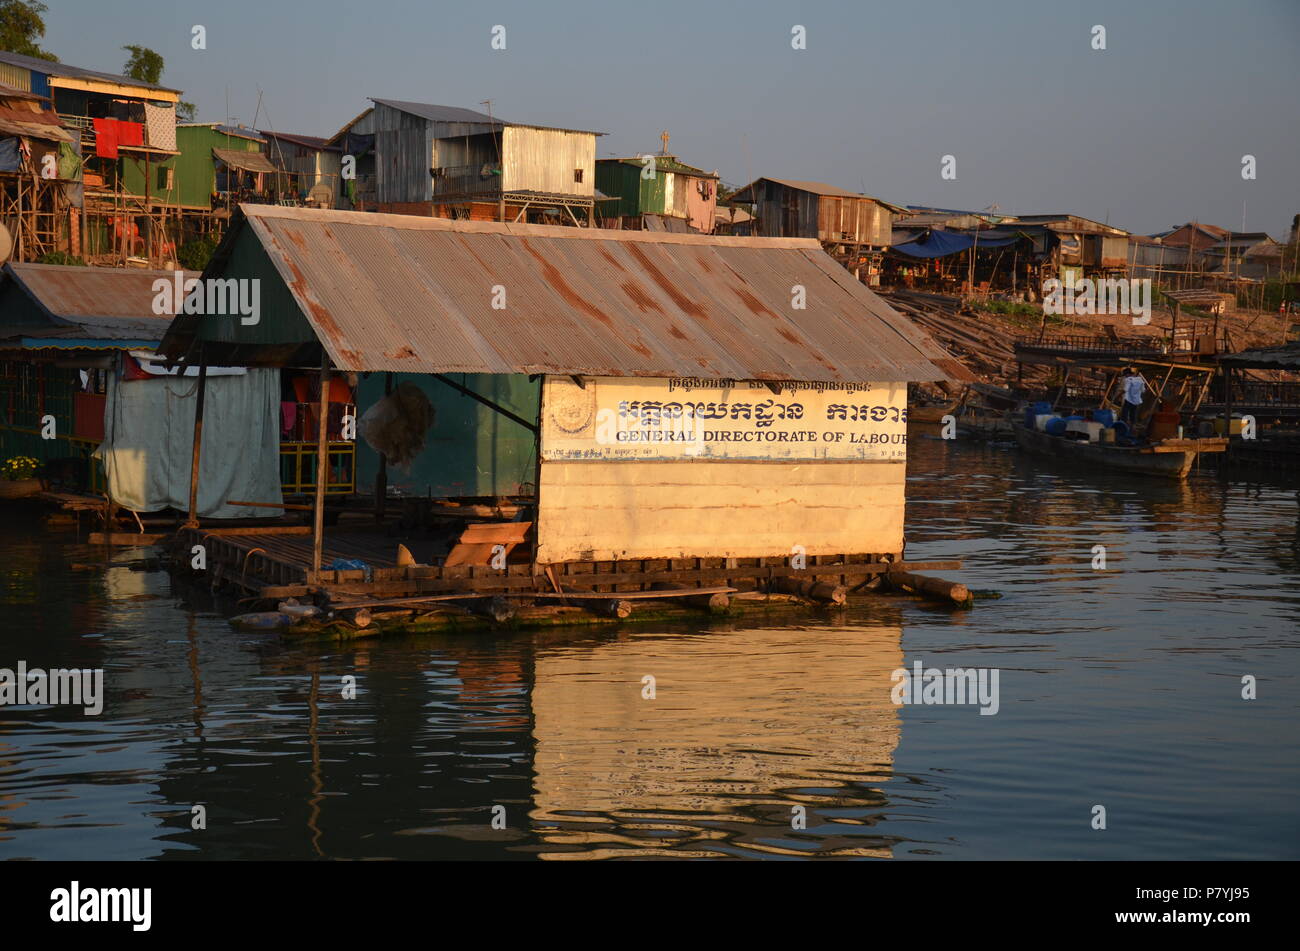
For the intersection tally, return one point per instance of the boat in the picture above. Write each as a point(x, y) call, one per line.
point(933, 413)
point(1169, 459)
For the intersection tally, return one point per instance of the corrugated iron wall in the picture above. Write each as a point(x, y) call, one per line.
point(404, 147)
point(16, 77)
point(859, 220)
point(544, 160)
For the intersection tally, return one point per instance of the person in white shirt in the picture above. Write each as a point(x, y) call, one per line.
point(1134, 385)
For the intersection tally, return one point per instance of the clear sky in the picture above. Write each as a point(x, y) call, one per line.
point(1146, 134)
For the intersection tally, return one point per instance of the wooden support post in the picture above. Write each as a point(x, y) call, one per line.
point(1060, 394)
point(810, 589)
point(614, 607)
point(1227, 403)
point(322, 463)
point(193, 520)
point(934, 588)
point(381, 476)
point(716, 603)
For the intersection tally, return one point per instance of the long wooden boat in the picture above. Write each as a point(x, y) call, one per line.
point(1170, 459)
point(932, 414)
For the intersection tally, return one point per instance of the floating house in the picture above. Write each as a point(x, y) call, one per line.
point(656, 193)
point(419, 158)
point(854, 229)
point(81, 390)
point(686, 420)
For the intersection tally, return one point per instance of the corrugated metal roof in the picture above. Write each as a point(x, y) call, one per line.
point(437, 113)
point(663, 163)
point(411, 294)
point(51, 68)
point(307, 141)
point(93, 302)
point(249, 161)
point(815, 188)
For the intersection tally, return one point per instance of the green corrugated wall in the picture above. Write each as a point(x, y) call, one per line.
point(196, 176)
point(471, 449)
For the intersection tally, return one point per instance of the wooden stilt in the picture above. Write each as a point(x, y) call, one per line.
point(193, 520)
point(381, 476)
point(322, 463)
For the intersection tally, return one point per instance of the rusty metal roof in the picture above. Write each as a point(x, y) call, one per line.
point(412, 294)
point(815, 188)
point(248, 161)
point(94, 302)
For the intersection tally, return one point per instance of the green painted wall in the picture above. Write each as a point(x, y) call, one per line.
point(471, 449)
point(636, 195)
point(195, 169)
point(280, 320)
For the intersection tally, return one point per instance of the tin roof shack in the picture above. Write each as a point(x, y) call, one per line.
point(1250, 254)
point(40, 209)
point(219, 166)
point(307, 169)
point(125, 130)
point(656, 193)
point(61, 330)
point(692, 425)
point(76, 352)
point(1072, 243)
point(1194, 235)
point(418, 158)
point(854, 229)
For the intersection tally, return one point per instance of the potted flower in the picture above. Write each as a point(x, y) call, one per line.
point(18, 477)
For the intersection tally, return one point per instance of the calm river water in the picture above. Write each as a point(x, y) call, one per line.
point(1120, 688)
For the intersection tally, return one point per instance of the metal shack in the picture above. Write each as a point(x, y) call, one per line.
point(419, 158)
point(709, 408)
point(854, 229)
point(656, 193)
point(81, 392)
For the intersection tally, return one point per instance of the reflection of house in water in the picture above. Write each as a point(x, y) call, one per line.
point(744, 726)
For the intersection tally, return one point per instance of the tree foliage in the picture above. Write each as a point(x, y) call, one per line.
point(144, 65)
point(21, 26)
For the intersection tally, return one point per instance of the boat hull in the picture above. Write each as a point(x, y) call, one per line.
point(1139, 461)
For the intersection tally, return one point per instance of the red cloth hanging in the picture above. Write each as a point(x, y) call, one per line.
point(106, 138)
point(129, 133)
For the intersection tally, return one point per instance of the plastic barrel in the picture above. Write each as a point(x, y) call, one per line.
point(1104, 416)
point(1055, 427)
point(1121, 429)
point(1042, 407)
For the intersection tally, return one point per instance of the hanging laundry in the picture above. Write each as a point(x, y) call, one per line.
point(160, 127)
point(105, 138)
point(130, 133)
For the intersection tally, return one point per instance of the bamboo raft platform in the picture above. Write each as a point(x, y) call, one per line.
point(271, 566)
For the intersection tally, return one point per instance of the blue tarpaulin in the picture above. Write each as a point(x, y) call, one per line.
point(940, 244)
